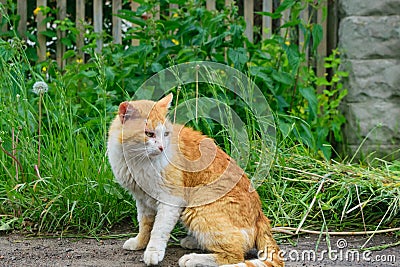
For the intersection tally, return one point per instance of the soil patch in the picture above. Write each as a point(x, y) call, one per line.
point(20, 250)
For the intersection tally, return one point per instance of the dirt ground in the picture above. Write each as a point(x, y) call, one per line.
point(20, 250)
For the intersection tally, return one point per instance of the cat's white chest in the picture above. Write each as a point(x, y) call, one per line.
point(144, 176)
point(137, 176)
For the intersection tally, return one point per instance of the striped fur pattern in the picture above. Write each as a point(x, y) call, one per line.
point(176, 173)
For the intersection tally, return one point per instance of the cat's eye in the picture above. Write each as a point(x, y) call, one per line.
point(150, 134)
point(166, 133)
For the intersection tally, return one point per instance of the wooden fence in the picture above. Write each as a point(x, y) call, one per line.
point(329, 24)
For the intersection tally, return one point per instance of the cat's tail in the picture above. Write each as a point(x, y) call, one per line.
point(268, 251)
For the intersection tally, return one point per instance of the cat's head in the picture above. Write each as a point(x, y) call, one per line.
point(144, 127)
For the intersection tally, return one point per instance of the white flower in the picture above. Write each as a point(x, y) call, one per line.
point(40, 88)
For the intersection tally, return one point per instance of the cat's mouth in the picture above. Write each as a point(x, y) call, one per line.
point(154, 152)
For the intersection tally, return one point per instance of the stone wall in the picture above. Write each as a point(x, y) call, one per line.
point(369, 37)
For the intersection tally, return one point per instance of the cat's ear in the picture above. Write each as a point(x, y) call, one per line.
point(165, 102)
point(127, 111)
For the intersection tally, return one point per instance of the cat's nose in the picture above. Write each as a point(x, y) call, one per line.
point(161, 148)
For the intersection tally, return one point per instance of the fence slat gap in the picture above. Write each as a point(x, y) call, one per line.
point(116, 21)
point(267, 21)
point(41, 27)
point(60, 47)
point(98, 24)
point(322, 48)
point(80, 18)
point(249, 18)
point(332, 26)
point(22, 13)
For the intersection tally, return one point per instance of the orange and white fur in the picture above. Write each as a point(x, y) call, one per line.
point(153, 159)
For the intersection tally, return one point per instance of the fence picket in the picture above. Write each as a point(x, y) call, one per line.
point(157, 12)
point(80, 18)
point(327, 44)
point(21, 11)
point(98, 23)
point(304, 16)
point(116, 22)
point(60, 47)
point(248, 6)
point(267, 21)
point(285, 18)
point(171, 7)
point(228, 3)
point(211, 5)
point(41, 27)
point(134, 7)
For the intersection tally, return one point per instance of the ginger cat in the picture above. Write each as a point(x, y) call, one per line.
point(175, 172)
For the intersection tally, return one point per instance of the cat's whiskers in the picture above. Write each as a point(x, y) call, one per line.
point(133, 149)
point(136, 155)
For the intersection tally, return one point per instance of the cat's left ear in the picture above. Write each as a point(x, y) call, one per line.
point(165, 102)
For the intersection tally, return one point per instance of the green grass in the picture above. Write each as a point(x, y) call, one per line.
point(74, 189)
point(297, 176)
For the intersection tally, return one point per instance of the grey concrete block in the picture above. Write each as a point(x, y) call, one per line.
point(370, 37)
point(369, 7)
point(376, 121)
point(375, 78)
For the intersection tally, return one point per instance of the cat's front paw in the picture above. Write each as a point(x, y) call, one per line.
point(197, 260)
point(153, 255)
point(133, 244)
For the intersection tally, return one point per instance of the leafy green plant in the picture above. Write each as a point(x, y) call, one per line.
point(318, 120)
point(280, 68)
point(192, 33)
point(329, 122)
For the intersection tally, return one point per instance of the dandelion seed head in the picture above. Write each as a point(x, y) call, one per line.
point(40, 88)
